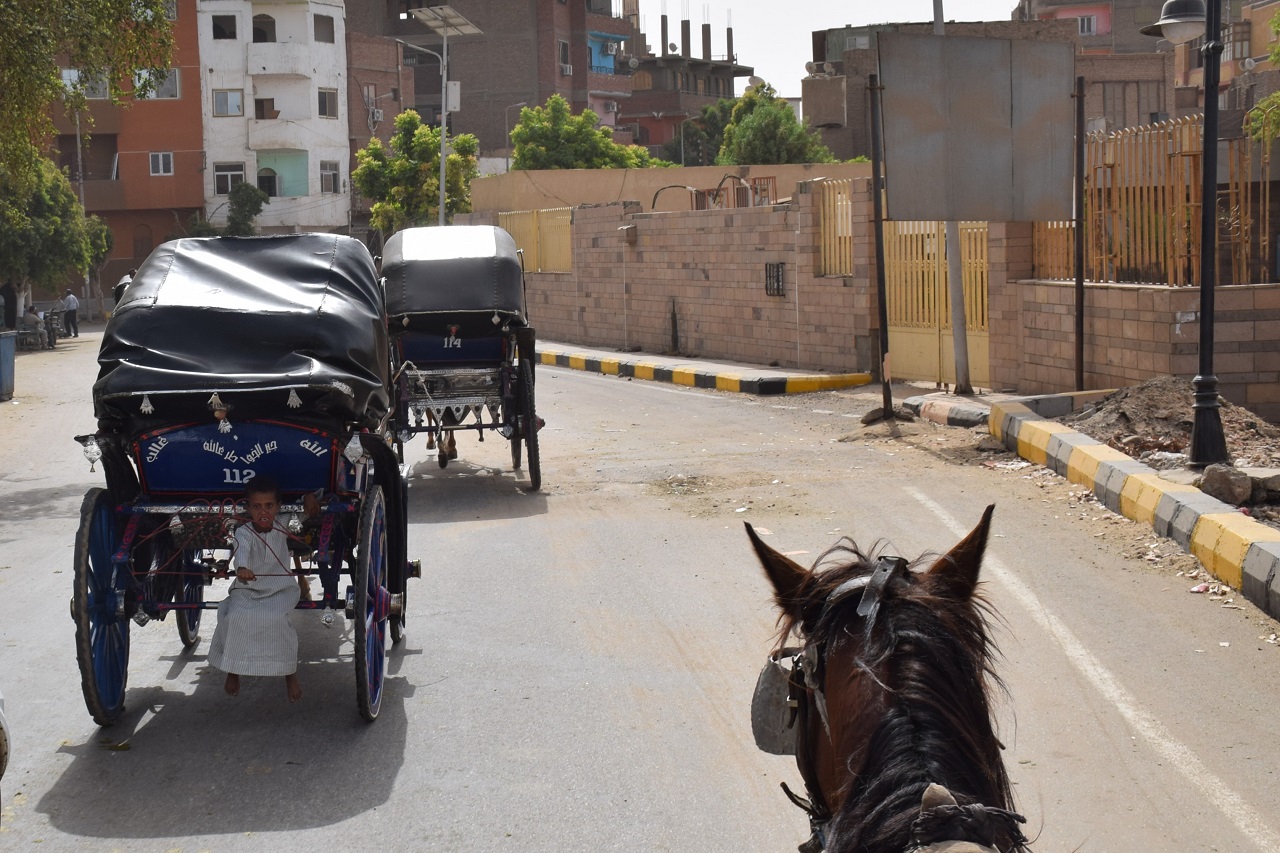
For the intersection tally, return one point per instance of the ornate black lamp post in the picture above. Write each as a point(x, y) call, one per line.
point(1180, 22)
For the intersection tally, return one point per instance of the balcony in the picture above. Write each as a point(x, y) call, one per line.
point(272, 135)
point(280, 59)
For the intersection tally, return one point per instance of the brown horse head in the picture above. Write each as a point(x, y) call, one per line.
point(899, 667)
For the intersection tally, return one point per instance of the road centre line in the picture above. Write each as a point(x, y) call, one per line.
point(1159, 738)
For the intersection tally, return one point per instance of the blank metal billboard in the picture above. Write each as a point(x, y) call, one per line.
point(977, 128)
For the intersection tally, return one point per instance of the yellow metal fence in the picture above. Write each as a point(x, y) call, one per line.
point(1143, 209)
point(835, 215)
point(544, 236)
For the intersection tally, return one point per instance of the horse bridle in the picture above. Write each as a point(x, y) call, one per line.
point(806, 691)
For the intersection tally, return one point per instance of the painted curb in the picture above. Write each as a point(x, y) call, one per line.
point(1241, 552)
point(948, 412)
point(717, 381)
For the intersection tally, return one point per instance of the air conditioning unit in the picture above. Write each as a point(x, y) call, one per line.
point(566, 70)
point(611, 106)
point(611, 48)
point(375, 115)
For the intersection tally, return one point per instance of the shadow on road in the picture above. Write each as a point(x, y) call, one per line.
point(182, 764)
point(469, 490)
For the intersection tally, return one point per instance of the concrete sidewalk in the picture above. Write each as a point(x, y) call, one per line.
point(1235, 549)
point(696, 373)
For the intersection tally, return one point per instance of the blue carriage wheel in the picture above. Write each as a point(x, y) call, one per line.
point(192, 594)
point(102, 632)
point(529, 425)
point(372, 604)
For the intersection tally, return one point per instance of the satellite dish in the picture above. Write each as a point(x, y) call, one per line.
point(755, 81)
point(828, 68)
point(673, 47)
point(633, 63)
point(1248, 63)
point(811, 67)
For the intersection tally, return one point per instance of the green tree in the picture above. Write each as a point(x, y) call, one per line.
point(403, 180)
point(244, 202)
point(763, 130)
point(110, 41)
point(1263, 121)
point(703, 135)
point(43, 232)
point(552, 137)
point(100, 242)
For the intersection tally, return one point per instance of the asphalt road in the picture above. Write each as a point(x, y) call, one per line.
point(579, 663)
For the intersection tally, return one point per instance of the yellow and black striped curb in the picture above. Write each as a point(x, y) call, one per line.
point(717, 380)
point(1237, 550)
point(947, 412)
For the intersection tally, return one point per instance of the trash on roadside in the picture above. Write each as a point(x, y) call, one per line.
point(1200, 587)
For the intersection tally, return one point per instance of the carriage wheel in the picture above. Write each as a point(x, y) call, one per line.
point(102, 636)
point(192, 593)
point(373, 604)
point(529, 419)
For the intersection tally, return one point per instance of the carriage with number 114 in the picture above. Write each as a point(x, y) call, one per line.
point(231, 359)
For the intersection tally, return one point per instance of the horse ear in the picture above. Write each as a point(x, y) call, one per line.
point(785, 574)
point(956, 573)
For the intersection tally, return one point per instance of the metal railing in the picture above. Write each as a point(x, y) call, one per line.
point(1142, 209)
point(835, 220)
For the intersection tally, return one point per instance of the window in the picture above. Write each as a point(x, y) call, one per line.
point(328, 103)
point(95, 89)
point(165, 85)
point(324, 28)
point(269, 182)
point(1113, 105)
point(329, 180)
point(563, 49)
point(226, 176)
point(171, 9)
point(1151, 101)
point(264, 28)
point(641, 80)
point(265, 108)
point(1088, 25)
point(224, 26)
point(370, 92)
point(228, 102)
point(162, 162)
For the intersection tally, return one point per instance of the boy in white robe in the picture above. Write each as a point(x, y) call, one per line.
point(254, 636)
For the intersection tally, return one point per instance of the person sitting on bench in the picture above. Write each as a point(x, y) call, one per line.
point(31, 322)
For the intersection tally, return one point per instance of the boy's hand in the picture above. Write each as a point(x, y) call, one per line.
point(245, 575)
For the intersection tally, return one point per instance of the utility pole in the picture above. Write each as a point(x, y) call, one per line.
point(955, 273)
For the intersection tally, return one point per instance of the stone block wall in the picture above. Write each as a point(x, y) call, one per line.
point(1134, 332)
point(694, 283)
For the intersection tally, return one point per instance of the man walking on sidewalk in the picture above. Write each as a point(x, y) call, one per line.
point(69, 321)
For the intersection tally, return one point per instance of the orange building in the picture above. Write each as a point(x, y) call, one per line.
point(141, 169)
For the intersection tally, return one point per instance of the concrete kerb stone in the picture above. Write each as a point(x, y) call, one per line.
point(949, 412)
point(1234, 548)
point(1178, 512)
point(1062, 445)
point(715, 380)
point(1261, 581)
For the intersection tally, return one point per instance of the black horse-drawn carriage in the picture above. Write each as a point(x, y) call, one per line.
point(231, 359)
point(462, 346)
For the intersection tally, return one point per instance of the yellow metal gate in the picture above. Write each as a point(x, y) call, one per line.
point(920, 344)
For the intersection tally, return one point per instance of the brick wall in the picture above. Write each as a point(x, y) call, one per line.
point(1134, 332)
point(707, 268)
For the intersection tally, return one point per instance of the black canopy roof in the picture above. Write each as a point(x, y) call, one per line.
point(278, 326)
point(452, 269)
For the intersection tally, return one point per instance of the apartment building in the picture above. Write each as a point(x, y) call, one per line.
point(275, 110)
point(1106, 27)
point(141, 169)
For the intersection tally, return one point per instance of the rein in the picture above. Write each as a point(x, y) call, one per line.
point(810, 665)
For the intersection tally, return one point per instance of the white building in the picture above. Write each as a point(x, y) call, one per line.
point(274, 102)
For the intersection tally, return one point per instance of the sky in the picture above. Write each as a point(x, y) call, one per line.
point(778, 45)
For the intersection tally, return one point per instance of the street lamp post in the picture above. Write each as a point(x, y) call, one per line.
point(1180, 22)
point(444, 22)
point(506, 114)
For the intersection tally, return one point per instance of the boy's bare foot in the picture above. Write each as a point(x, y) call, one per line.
point(293, 687)
point(304, 587)
point(232, 684)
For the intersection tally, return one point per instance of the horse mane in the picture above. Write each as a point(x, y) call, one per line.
point(936, 660)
